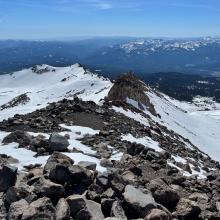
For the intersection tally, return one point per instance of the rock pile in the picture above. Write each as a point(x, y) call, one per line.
point(63, 190)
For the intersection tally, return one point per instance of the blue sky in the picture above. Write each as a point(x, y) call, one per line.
point(37, 19)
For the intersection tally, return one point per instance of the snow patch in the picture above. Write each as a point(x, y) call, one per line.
point(146, 141)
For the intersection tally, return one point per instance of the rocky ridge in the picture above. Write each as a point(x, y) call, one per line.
point(143, 184)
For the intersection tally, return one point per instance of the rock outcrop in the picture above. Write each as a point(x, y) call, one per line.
point(127, 89)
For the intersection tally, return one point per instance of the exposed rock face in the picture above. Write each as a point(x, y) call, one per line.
point(128, 86)
point(19, 100)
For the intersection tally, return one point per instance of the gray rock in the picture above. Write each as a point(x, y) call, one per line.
point(62, 210)
point(20, 137)
point(201, 199)
point(187, 209)
point(88, 165)
point(8, 176)
point(92, 211)
point(138, 203)
point(157, 214)
point(16, 210)
point(58, 143)
point(39, 209)
point(102, 180)
point(117, 211)
point(106, 163)
point(3, 211)
point(38, 142)
point(16, 193)
point(218, 206)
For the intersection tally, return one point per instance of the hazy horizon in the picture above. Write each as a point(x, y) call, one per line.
point(76, 38)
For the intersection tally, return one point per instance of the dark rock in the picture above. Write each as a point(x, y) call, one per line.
point(106, 206)
point(18, 100)
point(164, 194)
point(46, 188)
point(76, 203)
point(94, 192)
point(118, 186)
point(16, 193)
point(57, 158)
point(80, 175)
point(20, 137)
point(8, 176)
point(58, 143)
point(59, 173)
point(135, 149)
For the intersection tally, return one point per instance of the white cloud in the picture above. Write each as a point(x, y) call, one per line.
point(99, 4)
point(104, 6)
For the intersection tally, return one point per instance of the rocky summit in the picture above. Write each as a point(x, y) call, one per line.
point(78, 146)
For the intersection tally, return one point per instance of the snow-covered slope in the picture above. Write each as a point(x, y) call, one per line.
point(44, 84)
point(201, 128)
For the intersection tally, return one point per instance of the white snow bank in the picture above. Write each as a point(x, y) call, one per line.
point(76, 133)
point(26, 157)
point(136, 116)
point(201, 130)
point(146, 141)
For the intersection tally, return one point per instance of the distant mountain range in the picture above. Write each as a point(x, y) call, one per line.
point(116, 55)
